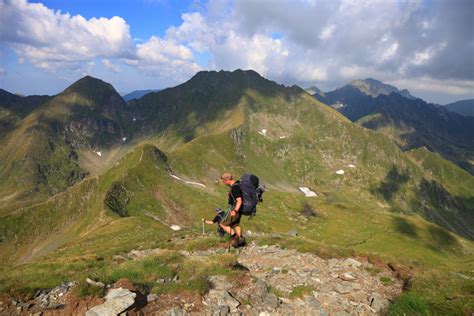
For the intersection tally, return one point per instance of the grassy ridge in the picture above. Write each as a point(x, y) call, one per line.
point(373, 209)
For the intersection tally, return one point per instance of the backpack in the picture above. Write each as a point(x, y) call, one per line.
point(251, 194)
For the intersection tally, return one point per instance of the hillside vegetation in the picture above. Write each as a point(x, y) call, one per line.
point(413, 208)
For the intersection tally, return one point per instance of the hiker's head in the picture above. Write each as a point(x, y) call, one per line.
point(227, 179)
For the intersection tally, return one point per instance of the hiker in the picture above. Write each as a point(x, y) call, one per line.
point(220, 216)
point(232, 224)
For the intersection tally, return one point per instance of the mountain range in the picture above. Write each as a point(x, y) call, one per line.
point(410, 122)
point(463, 107)
point(137, 94)
point(86, 175)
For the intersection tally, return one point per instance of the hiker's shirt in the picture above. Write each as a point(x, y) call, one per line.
point(234, 193)
point(219, 217)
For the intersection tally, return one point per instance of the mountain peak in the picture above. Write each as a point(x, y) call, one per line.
point(237, 80)
point(89, 85)
point(374, 88)
point(314, 90)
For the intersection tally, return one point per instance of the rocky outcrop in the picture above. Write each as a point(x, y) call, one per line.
point(116, 301)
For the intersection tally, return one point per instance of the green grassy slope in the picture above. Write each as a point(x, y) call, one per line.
point(375, 209)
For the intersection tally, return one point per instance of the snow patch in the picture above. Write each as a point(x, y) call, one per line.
point(175, 227)
point(282, 137)
point(134, 119)
point(188, 182)
point(351, 166)
point(340, 171)
point(99, 153)
point(263, 132)
point(124, 139)
point(307, 192)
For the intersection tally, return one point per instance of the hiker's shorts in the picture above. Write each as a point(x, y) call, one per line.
point(233, 221)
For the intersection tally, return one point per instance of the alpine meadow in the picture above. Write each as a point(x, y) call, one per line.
point(107, 199)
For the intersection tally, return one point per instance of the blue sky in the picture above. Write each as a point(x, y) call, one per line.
point(424, 46)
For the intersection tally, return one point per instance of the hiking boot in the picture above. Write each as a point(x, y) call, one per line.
point(241, 241)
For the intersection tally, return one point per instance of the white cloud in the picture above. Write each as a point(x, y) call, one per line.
point(110, 66)
point(327, 32)
point(389, 52)
point(50, 39)
point(427, 84)
point(290, 41)
point(3, 71)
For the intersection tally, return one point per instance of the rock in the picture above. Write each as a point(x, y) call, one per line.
point(356, 286)
point(312, 303)
point(349, 262)
point(94, 283)
point(175, 278)
point(220, 282)
point(276, 270)
point(223, 310)
point(151, 297)
point(25, 305)
point(325, 288)
point(223, 297)
point(293, 232)
point(378, 302)
point(14, 302)
point(271, 301)
point(261, 290)
point(175, 312)
point(343, 288)
point(347, 277)
point(116, 301)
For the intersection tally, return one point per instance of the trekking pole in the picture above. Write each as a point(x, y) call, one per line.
point(203, 228)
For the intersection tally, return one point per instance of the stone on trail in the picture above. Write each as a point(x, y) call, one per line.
point(343, 288)
point(220, 282)
point(222, 297)
point(116, 301)
point(151, 297)
point(261, 290)
point(378, 302)
point(293, 232)
point(271, 301)
point(347, 277)
point(95, 283)
point(349, 262)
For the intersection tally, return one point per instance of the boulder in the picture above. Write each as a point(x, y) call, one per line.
point(223, 297)
point(350, 262)
point(116, 301)
point(378, 303)
point(219, 282)
point(271, 301)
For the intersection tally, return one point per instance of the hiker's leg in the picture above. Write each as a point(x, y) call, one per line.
point(238, 231)
point(227, 229)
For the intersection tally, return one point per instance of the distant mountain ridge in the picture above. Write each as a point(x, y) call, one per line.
point(14, 107)
point(374, 88)
point(137, 94)
point(411, 122)
point(463, 107)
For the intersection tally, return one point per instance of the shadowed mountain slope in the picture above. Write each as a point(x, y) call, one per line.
point(463, 107)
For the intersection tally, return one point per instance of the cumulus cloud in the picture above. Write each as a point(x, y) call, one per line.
point(291, 41)
point(51, 39)
point(110, 66)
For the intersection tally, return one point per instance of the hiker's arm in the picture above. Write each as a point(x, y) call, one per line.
point(207, 222)
point(238, 204)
